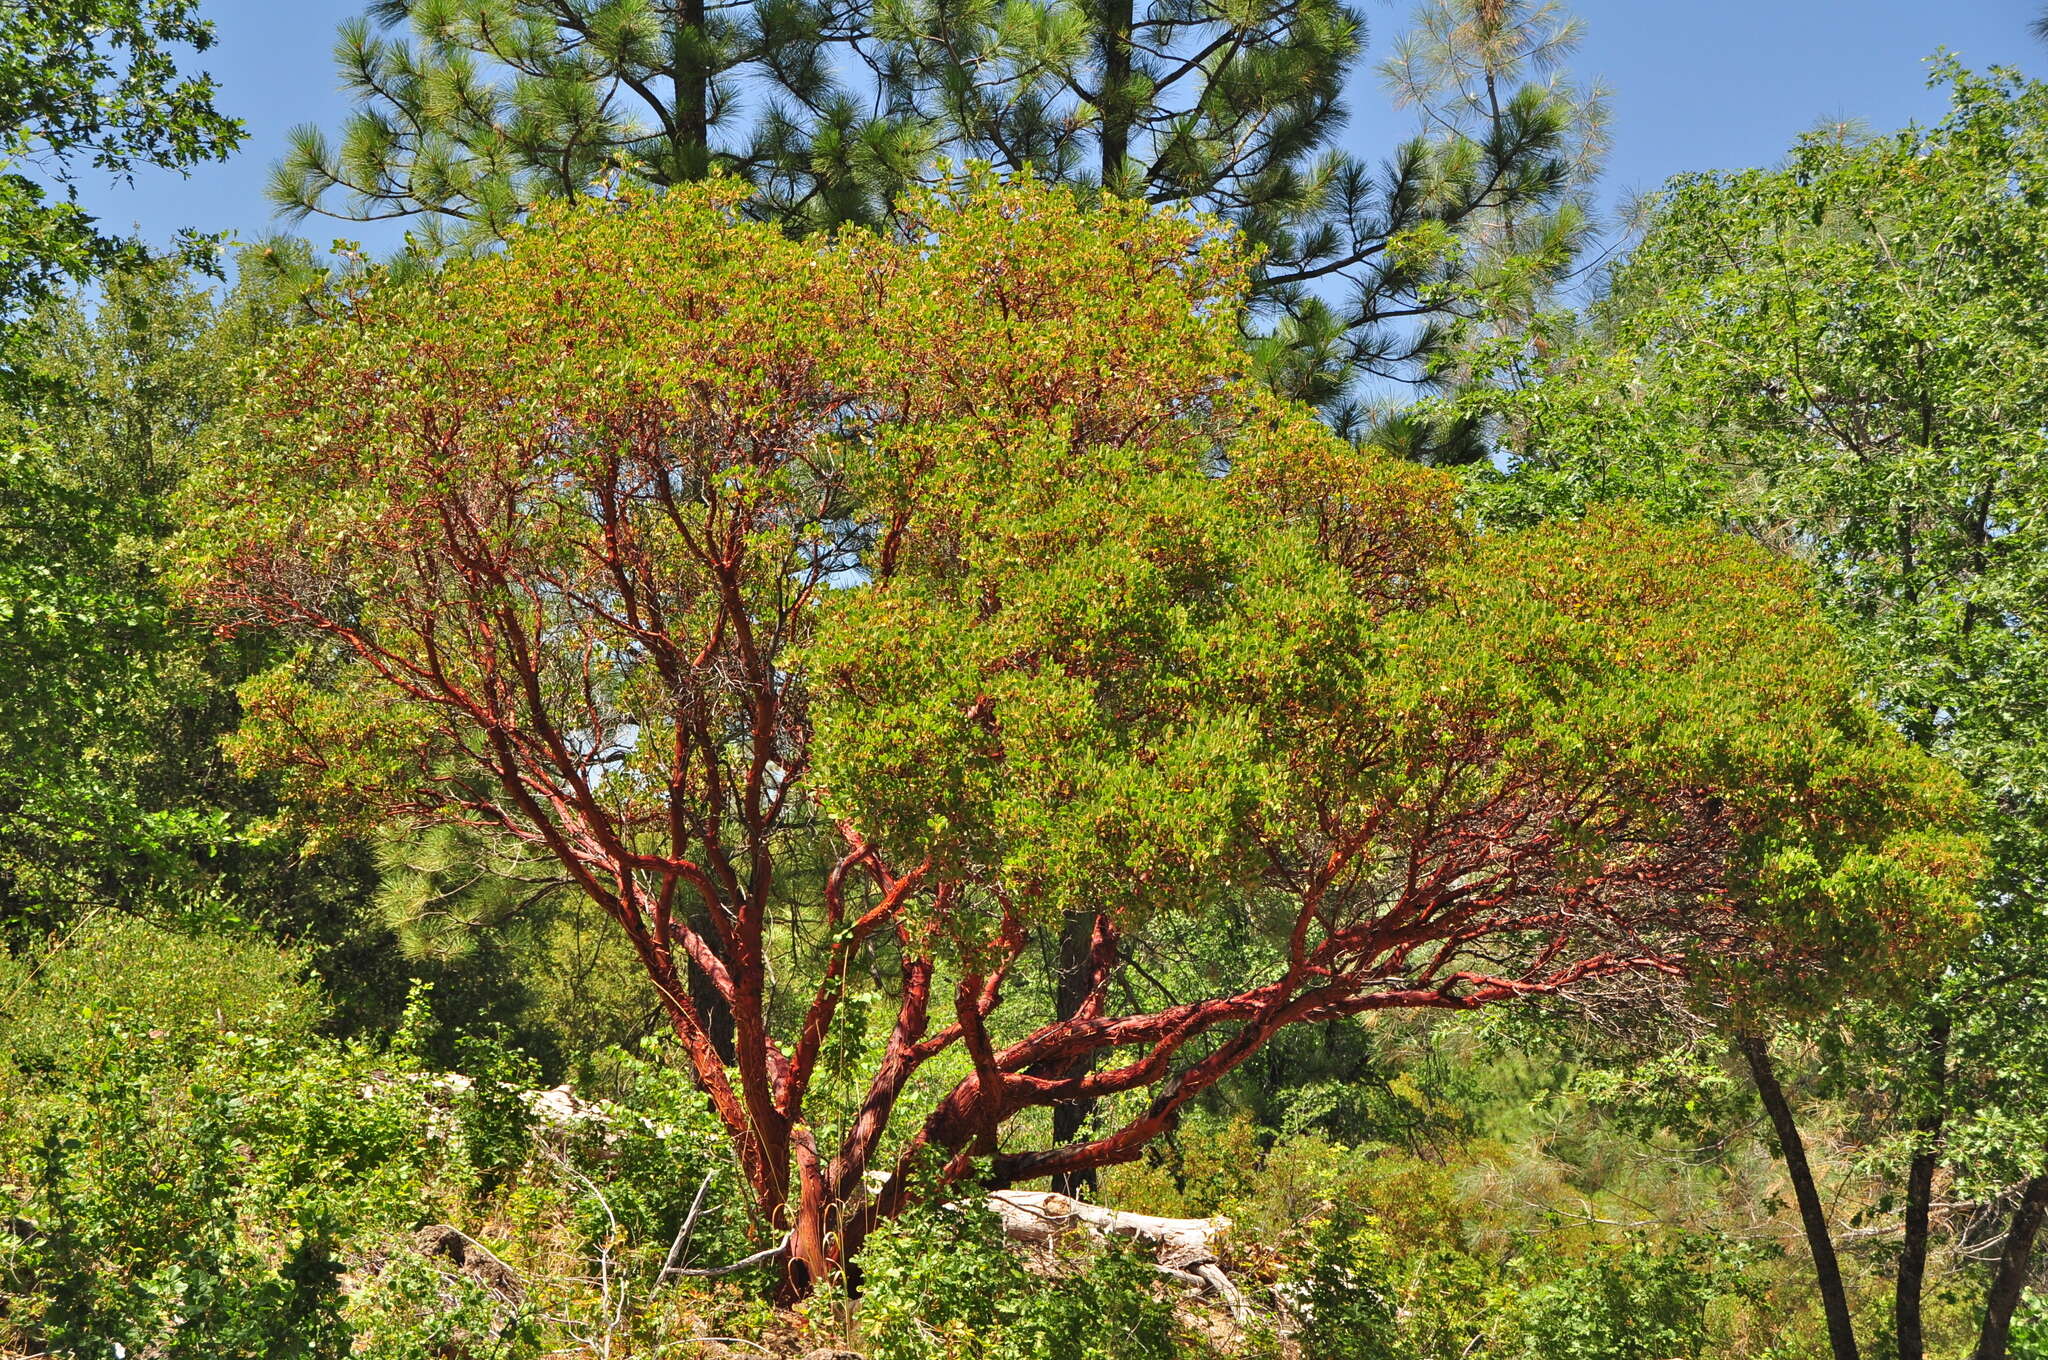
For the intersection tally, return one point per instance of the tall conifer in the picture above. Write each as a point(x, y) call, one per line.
point(469, 112)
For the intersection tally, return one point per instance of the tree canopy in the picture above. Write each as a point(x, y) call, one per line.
point(924, 590)
point(471, 112)
point(94, 81)
point(1843, 357)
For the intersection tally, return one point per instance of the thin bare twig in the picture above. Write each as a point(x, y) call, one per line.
point(682, 1242)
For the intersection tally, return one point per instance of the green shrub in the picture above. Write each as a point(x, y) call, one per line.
point(120, 970)
point(414, 1309)
point(939, 1284)
point(1343, 1294)
point(1630, 1302)
point(192, 1171)
point(2029, 1339)
point(141, 1189)
point(648, 1157)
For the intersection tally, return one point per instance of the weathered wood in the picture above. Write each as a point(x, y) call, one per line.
point(1182, 1247)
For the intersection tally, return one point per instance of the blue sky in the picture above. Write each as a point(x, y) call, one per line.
point(1696, 86)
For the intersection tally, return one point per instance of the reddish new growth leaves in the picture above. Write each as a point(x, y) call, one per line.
point(923, 592)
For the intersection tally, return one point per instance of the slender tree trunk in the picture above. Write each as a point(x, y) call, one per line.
point(1827, 1270)
point(717, 1015)
point(1920, 1196)
point(1115, 105)
point(692, 75)
point(1072, 979)
point(2011, 1279)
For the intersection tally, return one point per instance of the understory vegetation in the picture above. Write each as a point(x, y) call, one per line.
point(204, 1167)
point(936, 682)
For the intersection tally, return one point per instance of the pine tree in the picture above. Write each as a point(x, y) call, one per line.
point(1236, 108)
point(471, 111)
point(1519, 145)
point(1463, 65)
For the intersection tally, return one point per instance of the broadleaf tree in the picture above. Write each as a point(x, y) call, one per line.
point(114, 794)
point(470, 112)
point(91, 84)
point(1843, 357)
point(91, 656)
point(1368, 276)
point(92, 410)
point(971, 566)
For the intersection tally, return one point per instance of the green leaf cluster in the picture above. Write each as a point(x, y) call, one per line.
point(94, 81)
point(1112, 629)
point(1843, 358)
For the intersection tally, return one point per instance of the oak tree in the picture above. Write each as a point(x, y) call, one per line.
point(1844, 357)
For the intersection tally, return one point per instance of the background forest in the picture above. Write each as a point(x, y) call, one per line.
point(892, 604)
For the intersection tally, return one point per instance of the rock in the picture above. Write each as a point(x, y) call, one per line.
point(563, 1108)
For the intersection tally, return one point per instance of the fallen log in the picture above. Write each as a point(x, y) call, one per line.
point(1183, 1247)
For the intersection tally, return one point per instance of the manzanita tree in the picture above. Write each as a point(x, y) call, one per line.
point(865, 607)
